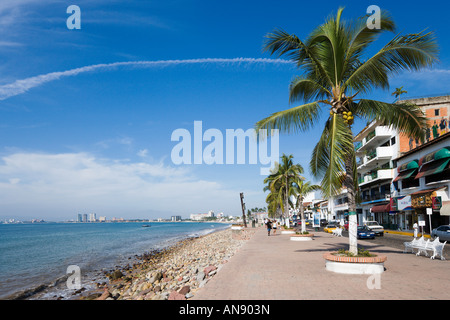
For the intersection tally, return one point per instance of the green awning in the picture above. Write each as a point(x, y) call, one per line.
point(408, 166)
point(433, 167)
point(440, 154)
point(405, 174)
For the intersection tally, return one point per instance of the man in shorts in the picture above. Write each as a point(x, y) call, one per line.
point(269, 226)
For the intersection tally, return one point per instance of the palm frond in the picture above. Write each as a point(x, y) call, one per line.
point(284, 44)
point(404, 52)
point(330, 153)
point(291, 120)
point(305, 89)
point(406, 117)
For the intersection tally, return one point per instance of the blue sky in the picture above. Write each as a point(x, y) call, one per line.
point(98, 139)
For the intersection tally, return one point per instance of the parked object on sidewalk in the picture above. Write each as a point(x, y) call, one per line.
point(337, 232)
point(365, 233)
point(375, 227)
point(409, 245)
point(441, 232)
point(424, 246)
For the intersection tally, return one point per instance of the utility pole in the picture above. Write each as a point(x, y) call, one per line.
point(243, 209)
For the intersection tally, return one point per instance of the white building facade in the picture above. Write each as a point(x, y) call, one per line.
point(376, 148)
point(421, 186)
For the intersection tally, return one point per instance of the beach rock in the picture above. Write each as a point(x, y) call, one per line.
point(208, 269)
point(184, 290)
point(176, 296)
point(117, 274)
point(176, 272)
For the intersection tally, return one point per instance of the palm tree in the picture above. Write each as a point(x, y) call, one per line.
point(301, 188)
point(398, 92)
point(279, 183)
point(334, 74)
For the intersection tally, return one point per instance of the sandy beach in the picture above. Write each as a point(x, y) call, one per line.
point(174, 273)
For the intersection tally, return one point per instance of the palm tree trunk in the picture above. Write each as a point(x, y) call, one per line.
point(286, 207)
point(351, 194)
point(302, 214)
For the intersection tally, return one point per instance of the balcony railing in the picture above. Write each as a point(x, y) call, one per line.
point(380, 133)
point(373, 197)
point(376, 174)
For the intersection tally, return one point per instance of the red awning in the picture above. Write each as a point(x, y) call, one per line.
point(381, 208)
point(427, 191)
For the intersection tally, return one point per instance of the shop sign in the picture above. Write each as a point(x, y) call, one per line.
point(436, 203)
point(421, 201)
point(394, 204)
point(404, 203)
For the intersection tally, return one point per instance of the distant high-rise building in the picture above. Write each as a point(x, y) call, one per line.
point(176, 218)
point(92, 217)
point(80, 218)
point(85, 217)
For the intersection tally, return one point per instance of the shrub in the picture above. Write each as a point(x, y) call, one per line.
point(361, 253)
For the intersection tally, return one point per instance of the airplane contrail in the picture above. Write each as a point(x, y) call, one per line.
point(21, 86)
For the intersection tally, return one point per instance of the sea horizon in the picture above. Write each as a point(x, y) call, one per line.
point(36, 256)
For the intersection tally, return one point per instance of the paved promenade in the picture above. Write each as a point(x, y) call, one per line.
point(276, 268)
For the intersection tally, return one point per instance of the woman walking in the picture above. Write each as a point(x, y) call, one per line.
point(275, 226)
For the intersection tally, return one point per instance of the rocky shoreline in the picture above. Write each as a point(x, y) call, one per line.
point(174, 273)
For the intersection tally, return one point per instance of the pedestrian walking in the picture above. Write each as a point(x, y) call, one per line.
point(269, 226)
point(415, 227)
point(275, 226)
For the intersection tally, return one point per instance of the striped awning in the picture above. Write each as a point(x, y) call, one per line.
point(405, 174)
point(433, 168)
point(406, 170)
point(440, 154)
point(408, 166)
point(433, 163)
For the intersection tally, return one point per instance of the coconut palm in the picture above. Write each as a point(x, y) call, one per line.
point(279, 183)
point(398, 92)
point(301, 188)
point(335, 74)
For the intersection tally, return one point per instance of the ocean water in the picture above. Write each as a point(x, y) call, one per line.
point(39, 254)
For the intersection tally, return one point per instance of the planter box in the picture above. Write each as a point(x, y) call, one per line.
point(237, 227)
point(287, 232)
point(302, 237)
point(354, 265)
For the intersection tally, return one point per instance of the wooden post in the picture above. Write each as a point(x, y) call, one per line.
point(243, 209)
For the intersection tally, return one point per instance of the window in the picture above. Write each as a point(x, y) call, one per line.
point(442, 176)
point(409, 183)
point(436, 112)
point(392, 141)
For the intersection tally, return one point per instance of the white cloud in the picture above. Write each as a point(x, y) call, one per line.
point(22, 86)
point(143, 153)
point(59, 186)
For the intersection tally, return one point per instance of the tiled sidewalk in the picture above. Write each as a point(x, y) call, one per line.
point(276, 268)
